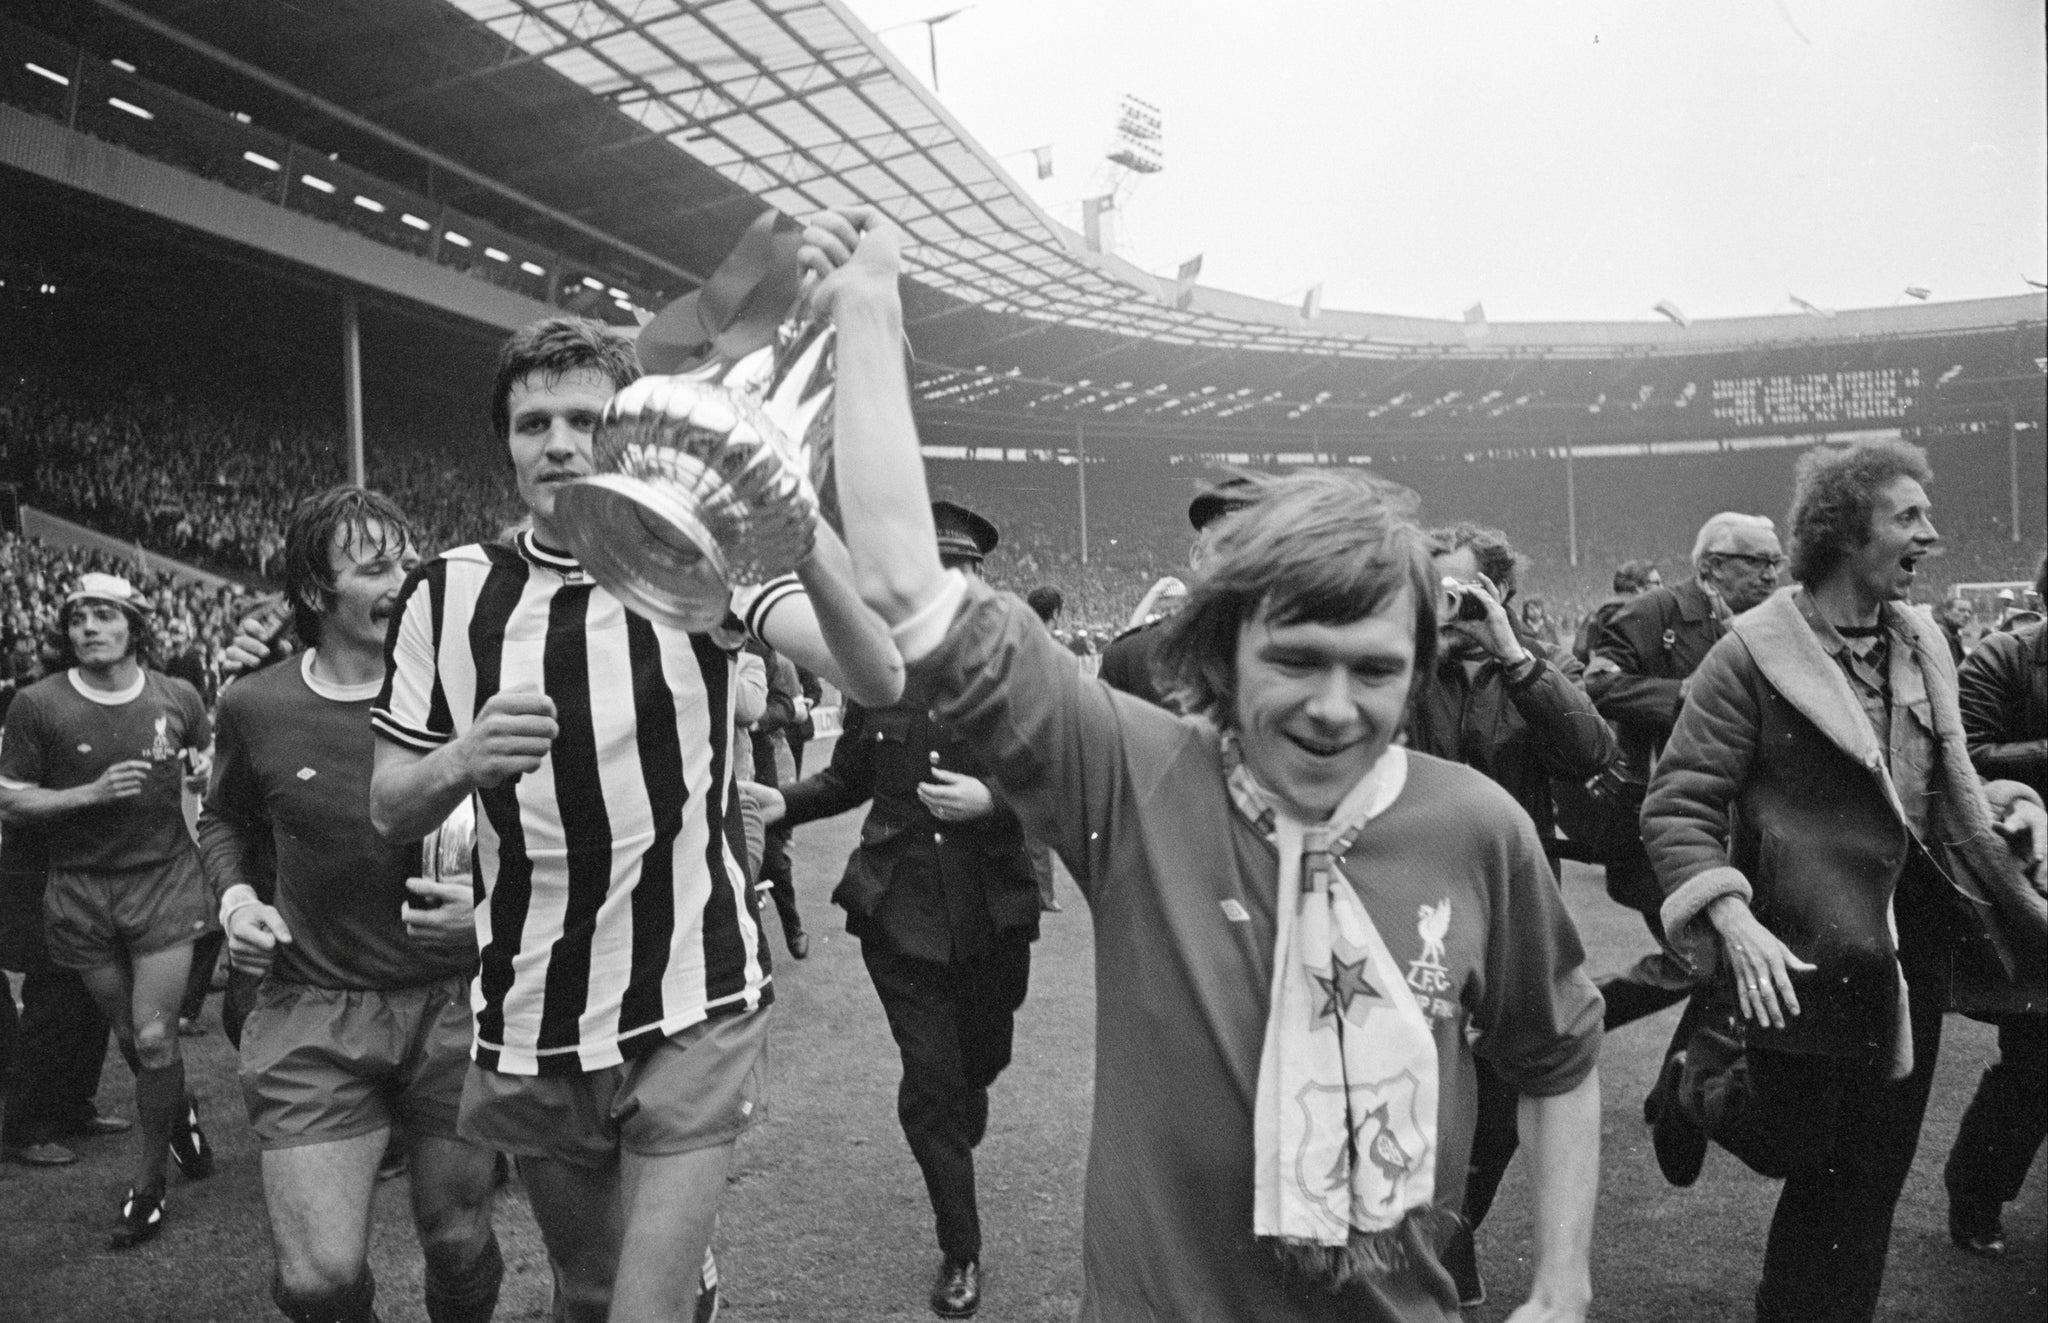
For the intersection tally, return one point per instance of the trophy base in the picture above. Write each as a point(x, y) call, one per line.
point(647, 547)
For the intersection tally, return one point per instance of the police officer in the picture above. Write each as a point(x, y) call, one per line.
point(944, 902)
point(1127, 661)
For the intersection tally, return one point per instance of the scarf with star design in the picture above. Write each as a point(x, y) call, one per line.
point(1344, 1125)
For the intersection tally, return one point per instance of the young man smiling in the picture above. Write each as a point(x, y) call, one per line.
point(97, 753)
point(622, 994)
point(363, 1018)
point(1297, 921)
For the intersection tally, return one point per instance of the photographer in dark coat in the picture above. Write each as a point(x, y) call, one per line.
point(943, 899)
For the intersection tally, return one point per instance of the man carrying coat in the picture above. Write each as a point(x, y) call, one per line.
point(944, 902)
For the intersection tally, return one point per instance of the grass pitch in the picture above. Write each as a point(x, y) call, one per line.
point(825, 1216)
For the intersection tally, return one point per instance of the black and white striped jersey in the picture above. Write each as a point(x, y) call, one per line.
point(613, 907)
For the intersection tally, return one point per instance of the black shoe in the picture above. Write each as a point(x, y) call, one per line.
point(1680, 1145)
point(142, 1218)
point(707, 1291)
point(189, 1148)
point(1977, 1230)
point(956, 1291)
point(798, 941)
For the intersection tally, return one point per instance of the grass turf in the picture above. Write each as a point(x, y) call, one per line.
point(825, 1216)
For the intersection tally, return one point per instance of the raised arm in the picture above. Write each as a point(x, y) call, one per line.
point(883, 500)
point(830, 630)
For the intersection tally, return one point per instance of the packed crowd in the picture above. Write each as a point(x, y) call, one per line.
point(212, 483)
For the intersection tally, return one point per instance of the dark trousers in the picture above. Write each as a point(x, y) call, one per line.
point(58, 1052)
point(1659, 979)
point(1849, 1135)
point(953, 1024)
point(2006, 1121)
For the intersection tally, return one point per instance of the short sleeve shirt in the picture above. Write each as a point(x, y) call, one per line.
point(615, 907)
point(294, 766)
point(61, 734)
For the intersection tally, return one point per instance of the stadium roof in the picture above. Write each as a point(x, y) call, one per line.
point(664, 126)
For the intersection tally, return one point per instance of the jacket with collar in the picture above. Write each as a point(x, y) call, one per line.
point(1641, 658)
point(1774, 788)
point(2004, 694)
point(937, 891)
point(1523, 733)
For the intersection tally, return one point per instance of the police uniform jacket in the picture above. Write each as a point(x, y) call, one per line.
point(939, 891)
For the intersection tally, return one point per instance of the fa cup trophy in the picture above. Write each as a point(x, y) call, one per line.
point(707, 475)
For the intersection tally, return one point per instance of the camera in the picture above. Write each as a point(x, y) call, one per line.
point(1466, 602)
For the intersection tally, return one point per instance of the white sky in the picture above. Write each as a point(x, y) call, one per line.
point(1555, 159)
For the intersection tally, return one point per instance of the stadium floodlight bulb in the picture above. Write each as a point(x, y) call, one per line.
point(257, 158)
point(51, 74)
point(369, 204)
point(460, 241)
point(129, 106)
point(416, 222)
point(533, 268)
point(314, 181)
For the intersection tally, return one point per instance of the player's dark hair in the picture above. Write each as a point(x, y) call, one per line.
point(1046, 600)
point(1834, 491)
point(310, 535)
point(1317, 545)
point(553, 347)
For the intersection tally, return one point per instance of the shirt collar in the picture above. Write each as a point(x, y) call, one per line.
point(547, 557)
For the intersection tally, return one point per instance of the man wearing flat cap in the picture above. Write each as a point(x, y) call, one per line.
point(944, 902)
point(1127, 662)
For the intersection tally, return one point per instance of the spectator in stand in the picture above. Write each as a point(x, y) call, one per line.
point(1631, 578)
point(1959, 625)
point(2003, 694)
point(1536, 621)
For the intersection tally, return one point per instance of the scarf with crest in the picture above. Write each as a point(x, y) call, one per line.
point(1344, 1126)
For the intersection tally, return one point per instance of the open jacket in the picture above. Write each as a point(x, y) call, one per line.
point(1774, 787)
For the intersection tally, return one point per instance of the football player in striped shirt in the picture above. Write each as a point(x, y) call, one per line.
point(621, 997)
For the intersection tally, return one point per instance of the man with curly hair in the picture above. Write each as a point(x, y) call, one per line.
point(1833, 868)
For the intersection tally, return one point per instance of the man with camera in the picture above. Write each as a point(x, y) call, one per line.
point(362, 1018)
point(1511, 707)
